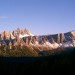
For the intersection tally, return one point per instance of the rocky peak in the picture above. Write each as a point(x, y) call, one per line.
point(27, 31)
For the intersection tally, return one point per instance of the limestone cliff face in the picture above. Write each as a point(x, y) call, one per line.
point(43, 39)
point(43, 42)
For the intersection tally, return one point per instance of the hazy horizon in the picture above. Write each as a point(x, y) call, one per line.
point(39, 16)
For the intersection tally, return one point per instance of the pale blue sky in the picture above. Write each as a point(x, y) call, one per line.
point(40, 16)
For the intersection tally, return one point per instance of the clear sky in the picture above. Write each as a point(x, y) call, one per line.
point(40, 16)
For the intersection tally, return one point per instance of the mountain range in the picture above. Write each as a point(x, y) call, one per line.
point(51, 41)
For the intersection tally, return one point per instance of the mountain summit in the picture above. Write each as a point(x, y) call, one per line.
point(26, 33)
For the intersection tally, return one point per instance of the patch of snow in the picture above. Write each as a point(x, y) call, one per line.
point(31, 35)
point(25, 35)
point(67, 44)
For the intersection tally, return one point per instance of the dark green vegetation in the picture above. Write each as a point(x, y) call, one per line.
point(27, 51)
point(17, 51)
point(59, 63)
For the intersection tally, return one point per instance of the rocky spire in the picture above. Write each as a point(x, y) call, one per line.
point(53, 41)
point(62, 37)
point(0, 36)
point(27, 31)
point(4, 35)
point(10, 45)
point(58, 38)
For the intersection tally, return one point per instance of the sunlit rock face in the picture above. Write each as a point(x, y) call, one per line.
point(73, 33)
point(55, 45)
point(73, 42)
point(48, 44)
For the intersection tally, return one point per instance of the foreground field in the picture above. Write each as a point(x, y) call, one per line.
point(59, 63)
